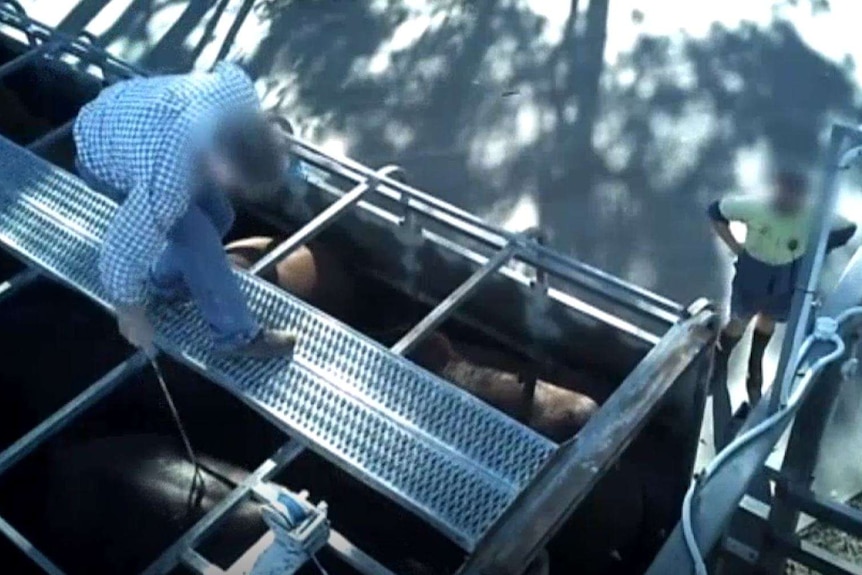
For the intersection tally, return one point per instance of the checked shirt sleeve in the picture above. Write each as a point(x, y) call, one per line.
point(137, 234)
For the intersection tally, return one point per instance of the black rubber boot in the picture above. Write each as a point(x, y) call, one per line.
point(724, 348)
point(721, 409)
point(754, 382)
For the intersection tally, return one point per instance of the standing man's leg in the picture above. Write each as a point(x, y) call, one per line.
point(216, 205)
point(764, 327)
point(722, 410)
point(727, 341)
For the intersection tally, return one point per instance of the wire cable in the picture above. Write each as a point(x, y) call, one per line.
point(197, 490)
point(826, 329)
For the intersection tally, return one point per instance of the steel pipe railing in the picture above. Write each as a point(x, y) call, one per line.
point(533, 254)
point(66, 414)
point(23, 544)
point(319, 223)
point(445, 309)
point(575, 273)
point(28, 57)
point(50, 427)
point(77, 46)
point(48, 139)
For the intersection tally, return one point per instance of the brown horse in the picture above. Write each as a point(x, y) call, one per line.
point(311, 273)
point(315, 275)
point(554, 411)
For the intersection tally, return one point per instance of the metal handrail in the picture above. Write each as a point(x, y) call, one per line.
point(535, 253)
point(532, 253)
point(74, 45)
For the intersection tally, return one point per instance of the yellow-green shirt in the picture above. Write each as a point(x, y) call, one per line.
point(772, 237)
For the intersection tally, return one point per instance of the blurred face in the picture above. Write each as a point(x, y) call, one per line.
point(789, 193)
point(222, 174)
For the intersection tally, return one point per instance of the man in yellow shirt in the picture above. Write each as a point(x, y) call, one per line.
point(767, 265)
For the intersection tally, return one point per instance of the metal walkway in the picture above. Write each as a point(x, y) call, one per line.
point(412, 436)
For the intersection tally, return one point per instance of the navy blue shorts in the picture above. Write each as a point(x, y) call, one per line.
point(762, 288)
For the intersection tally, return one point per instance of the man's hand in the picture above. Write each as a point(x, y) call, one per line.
point(723, 231)
point(136, 328)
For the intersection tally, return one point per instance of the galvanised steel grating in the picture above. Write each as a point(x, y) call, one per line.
point(434, 448)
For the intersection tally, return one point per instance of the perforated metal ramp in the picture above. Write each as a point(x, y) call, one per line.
point(414, 437)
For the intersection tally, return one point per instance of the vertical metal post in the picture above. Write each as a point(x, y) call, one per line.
point(722, 413)
point(541, 279)
point(812, 261)
point(803, 447)
point(439, 314)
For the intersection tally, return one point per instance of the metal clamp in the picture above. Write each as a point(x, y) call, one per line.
point(292, 516)
point(537, 236)
point(299, 530)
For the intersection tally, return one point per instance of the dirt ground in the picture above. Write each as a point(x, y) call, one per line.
point(833, 540)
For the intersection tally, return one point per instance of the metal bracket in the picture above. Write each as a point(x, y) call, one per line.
point(296, 524)
point(697, 306)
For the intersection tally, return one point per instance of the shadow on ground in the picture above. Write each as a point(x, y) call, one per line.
point(616, 163)
point(154, 33)
point(490, 106)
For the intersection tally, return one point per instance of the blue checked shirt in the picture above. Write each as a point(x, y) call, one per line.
point(138, 136)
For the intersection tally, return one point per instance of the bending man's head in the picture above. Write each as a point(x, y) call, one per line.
point(245, 156)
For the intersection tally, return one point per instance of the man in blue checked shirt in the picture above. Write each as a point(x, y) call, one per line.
point(172, 150)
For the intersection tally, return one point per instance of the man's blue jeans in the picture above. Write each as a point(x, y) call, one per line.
point(194, 265)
